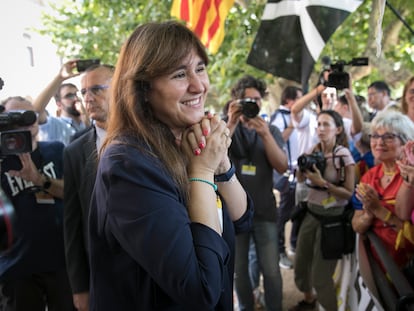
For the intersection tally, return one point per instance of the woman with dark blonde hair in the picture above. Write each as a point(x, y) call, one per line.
point(407, 99)
point(166, 203)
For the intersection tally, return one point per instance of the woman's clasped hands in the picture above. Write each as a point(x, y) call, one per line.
point(206, 144)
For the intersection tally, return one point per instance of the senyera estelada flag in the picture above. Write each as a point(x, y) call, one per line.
point(293, 33)
point(205, 18)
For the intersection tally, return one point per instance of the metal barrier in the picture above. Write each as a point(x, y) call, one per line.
point(397, 296)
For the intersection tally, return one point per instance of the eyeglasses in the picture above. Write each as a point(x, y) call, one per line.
point(387, 138)
point(71, 96)
point(94, 90)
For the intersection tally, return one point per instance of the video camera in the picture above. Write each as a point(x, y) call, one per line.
point(338, 78)
point(13, 140)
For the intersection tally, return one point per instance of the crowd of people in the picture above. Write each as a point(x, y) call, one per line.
point(134, 198)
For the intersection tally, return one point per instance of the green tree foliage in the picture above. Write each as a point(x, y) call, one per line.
point(97, 28)
point(357, 36)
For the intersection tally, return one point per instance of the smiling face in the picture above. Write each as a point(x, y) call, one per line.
point(385, 146)
point(177, 99)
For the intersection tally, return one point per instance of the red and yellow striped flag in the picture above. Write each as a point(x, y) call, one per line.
point(205, 18)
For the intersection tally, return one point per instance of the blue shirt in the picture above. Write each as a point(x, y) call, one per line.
point(55, 129)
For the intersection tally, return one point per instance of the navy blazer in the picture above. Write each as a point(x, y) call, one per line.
point(145, 252)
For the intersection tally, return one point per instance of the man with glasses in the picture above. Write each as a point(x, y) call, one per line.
point(72, 116)
point(81, 159)
point(379, 97)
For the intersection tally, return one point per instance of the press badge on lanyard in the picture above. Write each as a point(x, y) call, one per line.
point(328, 201)
point(248, 170)
point(220, 212)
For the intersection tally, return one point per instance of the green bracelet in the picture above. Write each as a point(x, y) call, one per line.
point(204, 181)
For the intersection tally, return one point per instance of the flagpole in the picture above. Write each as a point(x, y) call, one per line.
point(399, 17)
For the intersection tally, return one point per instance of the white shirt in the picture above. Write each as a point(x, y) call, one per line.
point(293, 138)
point(306, 131)
point(100, 136)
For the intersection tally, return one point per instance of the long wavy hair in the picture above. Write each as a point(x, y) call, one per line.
point(404, 104)
point(153, 50)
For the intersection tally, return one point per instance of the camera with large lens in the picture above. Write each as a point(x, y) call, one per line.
point(338, 78)
point(250, 108)
point(306, 162)
point(12, 142)
point(12, 139)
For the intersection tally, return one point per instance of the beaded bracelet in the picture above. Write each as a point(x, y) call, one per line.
point(204, 181)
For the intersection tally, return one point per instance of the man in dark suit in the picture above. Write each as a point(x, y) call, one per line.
point(80, 163)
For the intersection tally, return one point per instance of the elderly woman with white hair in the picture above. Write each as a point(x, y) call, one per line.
point(378, 189)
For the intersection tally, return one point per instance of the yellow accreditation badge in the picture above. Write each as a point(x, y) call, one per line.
point(248, 170)
point(219, 204)
point(220, 212)
point(331, 199)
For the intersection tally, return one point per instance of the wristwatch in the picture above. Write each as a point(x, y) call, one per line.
point(47, 183)
point(227, 175)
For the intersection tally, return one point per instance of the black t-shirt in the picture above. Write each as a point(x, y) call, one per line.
point(254, 170)
point(38, 246)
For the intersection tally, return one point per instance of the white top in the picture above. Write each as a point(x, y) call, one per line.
point(293, 138)
point(306, 131)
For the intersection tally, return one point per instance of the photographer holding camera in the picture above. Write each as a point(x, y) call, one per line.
point(256, 149)
point(330, 175)
point(32, 272)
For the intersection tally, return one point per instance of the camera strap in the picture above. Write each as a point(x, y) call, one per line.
point(283, 112)
point(340, 171)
